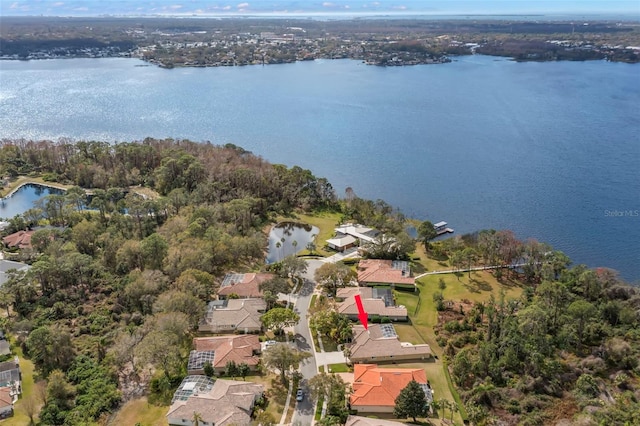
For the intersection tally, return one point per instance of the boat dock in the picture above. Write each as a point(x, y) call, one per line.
point(441, 228)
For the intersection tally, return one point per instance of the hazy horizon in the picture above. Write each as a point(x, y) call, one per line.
point(293, 8)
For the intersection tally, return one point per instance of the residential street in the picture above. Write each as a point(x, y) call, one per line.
point(304, 412)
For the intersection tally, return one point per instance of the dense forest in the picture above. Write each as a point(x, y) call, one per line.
point(568, 348)
point(116, 290)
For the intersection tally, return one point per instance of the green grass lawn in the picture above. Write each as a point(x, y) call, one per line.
point(326, 223)
point(140, 411)
point(423, 315)
point(26, 179)
point(339, 368)
point(28, 389)
point(277, 393)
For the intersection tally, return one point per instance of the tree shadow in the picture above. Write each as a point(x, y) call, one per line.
point(476, 286)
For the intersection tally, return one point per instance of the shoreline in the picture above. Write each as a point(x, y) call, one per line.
point(23, 181)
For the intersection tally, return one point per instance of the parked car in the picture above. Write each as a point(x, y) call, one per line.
point(269, 343)
point(299, 395)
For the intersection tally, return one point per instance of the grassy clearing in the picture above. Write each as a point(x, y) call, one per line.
point(275, 391)
point(140, 411)
point(339, 368)
point(326, 223)
point(318, 413)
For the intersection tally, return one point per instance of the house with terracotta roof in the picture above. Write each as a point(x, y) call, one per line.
point(380, 343)
point(6, 402)
point(376, 302)
point(20, 239)
point(367, 421)
point(219, 350)
point(244, 286)
point(375, 389)
point(381, 272)
point(233, 315)
point(219, 403)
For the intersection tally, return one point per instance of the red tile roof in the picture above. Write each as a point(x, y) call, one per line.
point(20, 239)
point(374, 386)
point(5, 397)
point(381, 271)
point(230, 348)
point(248, 287)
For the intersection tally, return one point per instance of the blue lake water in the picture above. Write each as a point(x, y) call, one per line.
point(23, 199)
point(549, 150)
point(288, 238)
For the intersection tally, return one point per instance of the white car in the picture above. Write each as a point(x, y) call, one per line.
point(299, 395)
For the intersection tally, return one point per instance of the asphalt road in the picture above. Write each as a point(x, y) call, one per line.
point(304, 412)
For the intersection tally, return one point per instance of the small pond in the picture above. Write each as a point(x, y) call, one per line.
point(23, 199)
point(287, 238)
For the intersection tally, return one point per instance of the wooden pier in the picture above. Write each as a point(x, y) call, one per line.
point(441, 228)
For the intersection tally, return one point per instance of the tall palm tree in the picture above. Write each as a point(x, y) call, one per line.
point(196, 419)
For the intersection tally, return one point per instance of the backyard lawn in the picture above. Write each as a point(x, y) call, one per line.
point(326, 223)
point(140, 411)
point(20, 417)
point(423, 315)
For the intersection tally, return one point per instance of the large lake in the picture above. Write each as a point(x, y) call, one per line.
point(550, 150)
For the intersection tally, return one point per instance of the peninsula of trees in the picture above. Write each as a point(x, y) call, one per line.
point(115, 292)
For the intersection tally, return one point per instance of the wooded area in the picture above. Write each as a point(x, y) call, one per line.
point(122, 285)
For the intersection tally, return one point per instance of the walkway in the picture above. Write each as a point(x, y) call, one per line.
point(478, 268)
point(347, 254)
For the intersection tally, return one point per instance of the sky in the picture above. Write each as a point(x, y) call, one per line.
point(313, 7)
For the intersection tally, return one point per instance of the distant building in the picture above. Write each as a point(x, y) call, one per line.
point(375, 389)
point(219, 403)
point(234, 315)
point(8, 265)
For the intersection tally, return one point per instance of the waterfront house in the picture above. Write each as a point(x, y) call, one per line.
point(233, 315)
point(376, 302)
point(375, 389)
point(380, 272)
point(380, 343)
point(348, 235)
